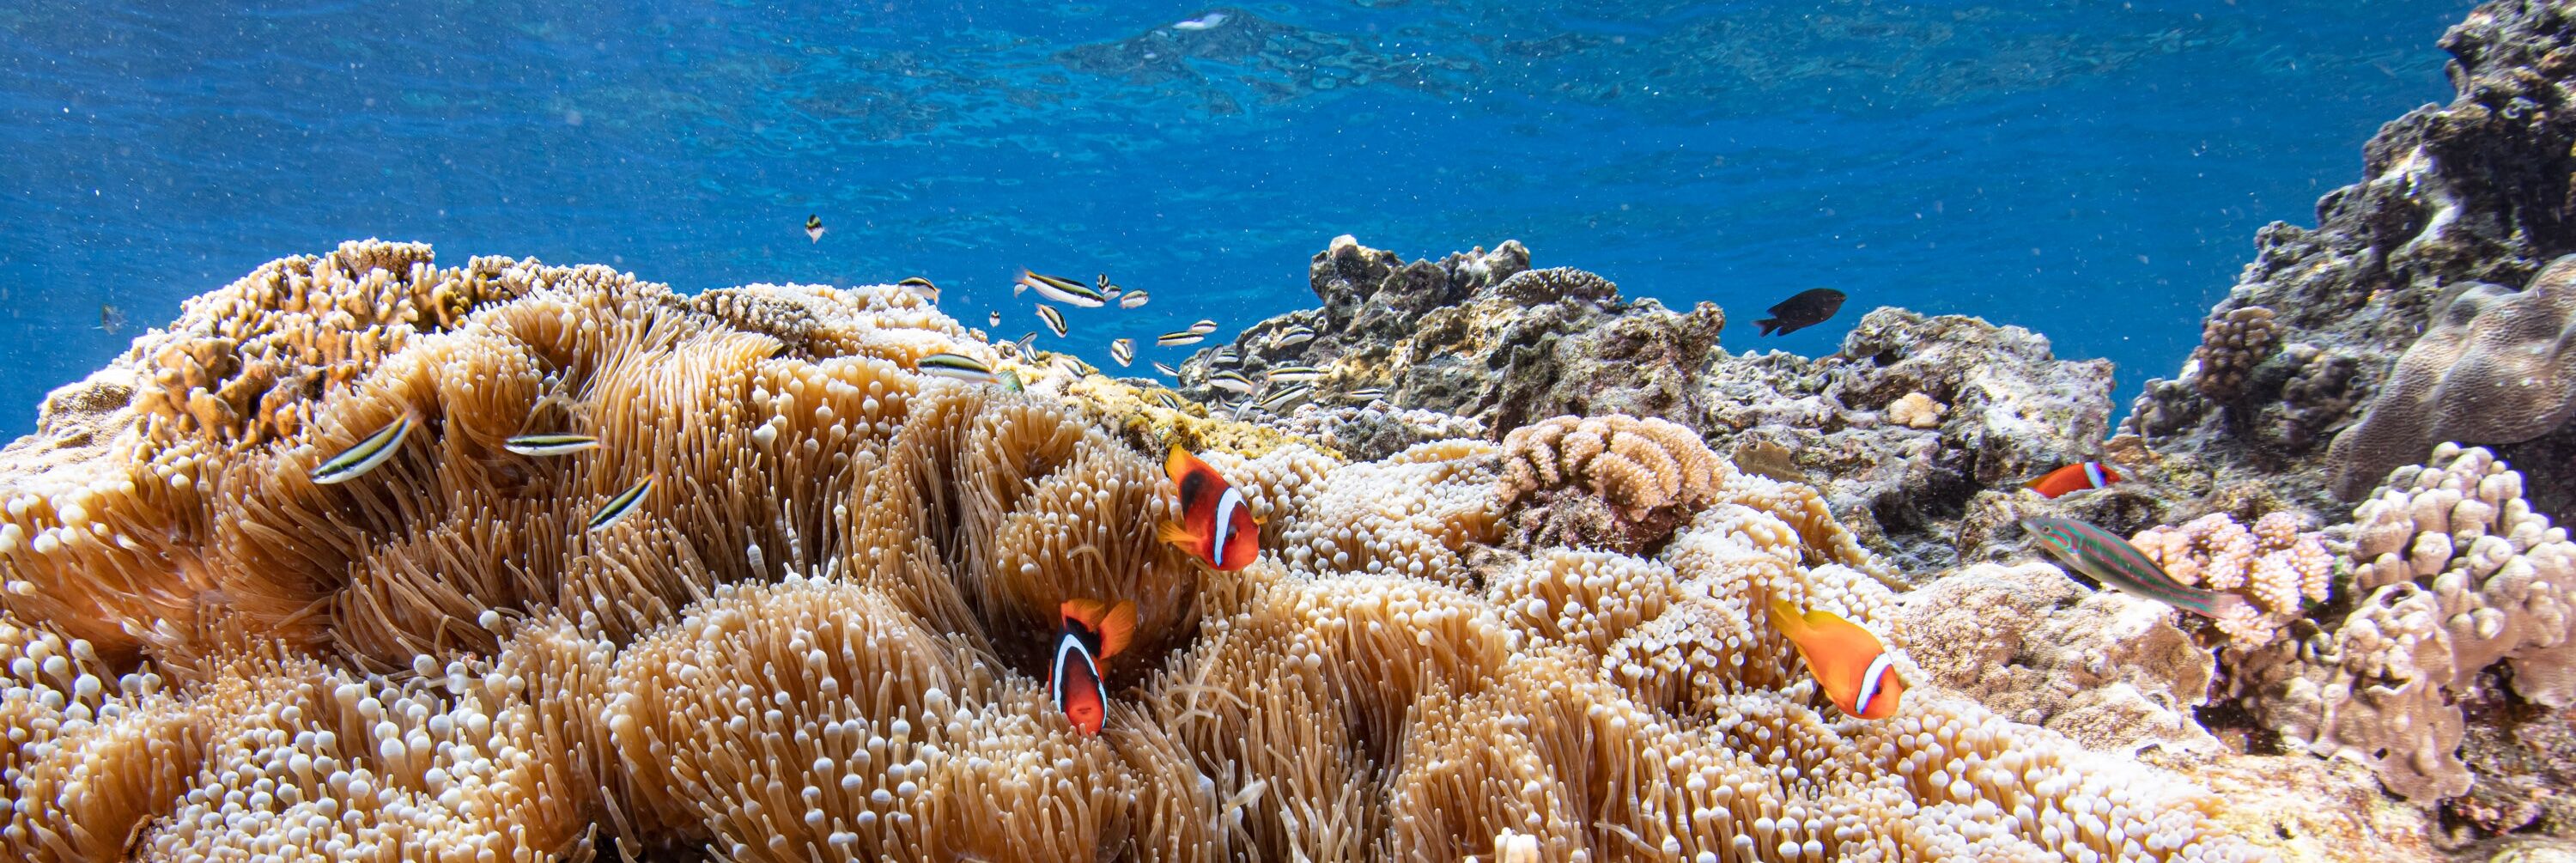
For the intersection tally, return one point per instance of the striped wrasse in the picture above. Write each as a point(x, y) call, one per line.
point(624, 504)
point(550, 444)
point(1065, 291)
point(2115, 563)
point(367, 453)
point(955, 367)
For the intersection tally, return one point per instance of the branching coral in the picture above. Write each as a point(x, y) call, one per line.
point(1616, 481)
point(822, 635)
point(2461, 575)
point(2273, 563)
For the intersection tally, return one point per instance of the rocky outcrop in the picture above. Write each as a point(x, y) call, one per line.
point(1481, 335)
point(1859, 425)
point(2455, 201)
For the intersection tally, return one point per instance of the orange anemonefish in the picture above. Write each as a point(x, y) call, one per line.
point(1093, 631)
point(2074, 477)
point(1856, 671)
point(1215, 525)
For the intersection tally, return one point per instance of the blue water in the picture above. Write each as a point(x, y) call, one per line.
point(2090, 170)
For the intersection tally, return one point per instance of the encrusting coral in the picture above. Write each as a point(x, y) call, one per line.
point(822, 635)
point(2457, 575)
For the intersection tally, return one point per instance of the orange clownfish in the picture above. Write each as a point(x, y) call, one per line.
point(1093, 631)
point(1855, 669)
point(2074, 477)
point(1215, 525)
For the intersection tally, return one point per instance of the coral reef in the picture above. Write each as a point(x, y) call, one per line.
point(2230, 346)
point(822, 634)
point(2456, 578)
point(2452, 197)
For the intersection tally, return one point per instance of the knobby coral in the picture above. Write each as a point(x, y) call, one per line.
point(2460, 576)
point(822, 635)
point(2274, 563)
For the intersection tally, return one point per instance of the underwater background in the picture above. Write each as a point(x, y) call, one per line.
point(2090, 170)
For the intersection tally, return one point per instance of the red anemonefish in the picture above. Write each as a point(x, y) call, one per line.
point(1855, 669)
point(2075, 477)
point(1214, 523)
point(1093, 631)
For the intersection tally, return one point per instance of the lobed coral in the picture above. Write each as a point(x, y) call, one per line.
point(2273, 563)
point(2458, 575)
point(2494, 366)
point(1616, 480)
point(823, 636)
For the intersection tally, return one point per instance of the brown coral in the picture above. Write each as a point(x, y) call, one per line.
point(2230, 346)
point(1636, 479)
point(2494, 366)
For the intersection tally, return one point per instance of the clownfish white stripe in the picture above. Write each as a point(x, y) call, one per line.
point(2093, 474)
point(1878, 669)
point(1226, 504)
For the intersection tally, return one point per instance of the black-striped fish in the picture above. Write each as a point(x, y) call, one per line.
point(367, 453)
point(995, 318)
point(550, 444)
point(921, 287)
point(1285, 396)
point(1101, 281)
point(1174, 340)
point(1293, 336)
point(622, 505)
point(955, 367)
point(1054, 319)
point(1224, 356)
point(2115, 563)
point(1203, 327)
point(1134, 299)
point(1124, 351)
point(1231, 381)
point(1065, 291)
point(1027, 344)
point(1365, 395)
point(1160, 367)
point(814, 227)
point(1167, 399)
point(1294, 374)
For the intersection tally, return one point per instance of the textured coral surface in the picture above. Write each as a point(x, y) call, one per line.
point(822, 635)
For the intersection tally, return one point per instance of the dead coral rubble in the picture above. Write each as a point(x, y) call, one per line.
point(823, 636)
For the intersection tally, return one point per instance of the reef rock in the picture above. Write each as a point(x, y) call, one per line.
point(1480, 334)
point(1911, 420)
point(2459, 206)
